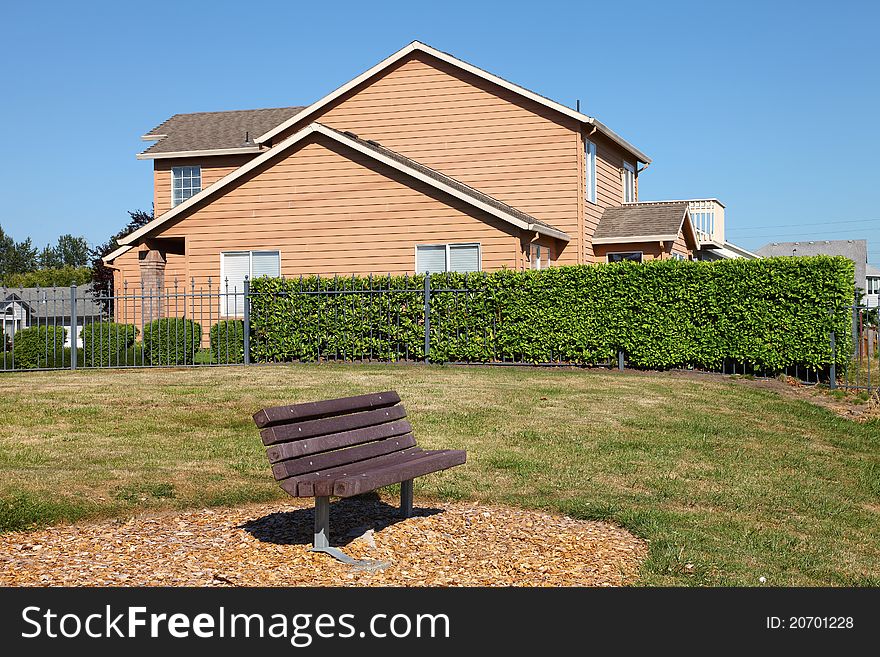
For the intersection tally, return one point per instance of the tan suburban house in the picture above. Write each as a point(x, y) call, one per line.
point(422, 163)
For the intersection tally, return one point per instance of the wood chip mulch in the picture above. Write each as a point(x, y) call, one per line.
point(443, 544)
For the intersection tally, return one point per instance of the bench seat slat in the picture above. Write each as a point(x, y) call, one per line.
point(337, 424)
point(314, 410)
point(297, 448)
point(304, 485)
point(339, 457)
point(395, 473)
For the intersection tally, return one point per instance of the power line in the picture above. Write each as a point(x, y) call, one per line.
point(819, 223)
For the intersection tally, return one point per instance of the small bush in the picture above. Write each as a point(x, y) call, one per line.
point(172, 341)
point(40, 346)
point(105, 342)
point(227, 341)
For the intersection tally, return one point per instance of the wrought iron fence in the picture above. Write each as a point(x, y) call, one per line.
point(205, 324)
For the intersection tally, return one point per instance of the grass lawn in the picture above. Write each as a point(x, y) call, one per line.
point(727, 481)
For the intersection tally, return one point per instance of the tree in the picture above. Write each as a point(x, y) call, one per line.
point(102, 276)
point(70, 251)
point(16, 257)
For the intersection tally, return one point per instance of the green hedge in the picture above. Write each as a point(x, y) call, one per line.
point(105, 343)
point(769, 313)
point(172, 341)
point(227, 341)
point(40, 346)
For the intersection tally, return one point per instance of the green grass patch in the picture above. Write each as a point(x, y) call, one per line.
point(728, 482)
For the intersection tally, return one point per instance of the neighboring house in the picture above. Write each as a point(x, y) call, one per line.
point(22, 308)
point(872, 286)
point(422, 163)
point(855, 250)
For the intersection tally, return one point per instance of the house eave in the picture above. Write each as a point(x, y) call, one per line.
point(202, 153)
point(635, 238)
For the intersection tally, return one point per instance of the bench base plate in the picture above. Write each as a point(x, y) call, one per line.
point(360, 564)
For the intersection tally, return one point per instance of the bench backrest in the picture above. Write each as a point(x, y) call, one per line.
point(304, 438)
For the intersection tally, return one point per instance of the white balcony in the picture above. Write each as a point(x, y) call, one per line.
point(707, 216)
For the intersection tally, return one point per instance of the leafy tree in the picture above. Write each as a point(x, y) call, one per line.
point(102, 276)
point(16, 257)
point(70, 251)
point(51, 277)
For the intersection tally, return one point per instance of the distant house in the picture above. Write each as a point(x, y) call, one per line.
point(23, 308)
point(855, 250)
point(872, 286)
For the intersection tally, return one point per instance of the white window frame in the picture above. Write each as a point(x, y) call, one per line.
point(873, 285)
point(611, 253)
point(629, 172)
point(175, 202)
point(448, 245)
point(589, 170)
point(224, 301)
point(539, 251)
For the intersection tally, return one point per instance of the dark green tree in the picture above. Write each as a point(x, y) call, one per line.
point(102, 276)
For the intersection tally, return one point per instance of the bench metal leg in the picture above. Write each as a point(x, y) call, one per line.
point(321, 542)
point(322, 523)
point(406, 498)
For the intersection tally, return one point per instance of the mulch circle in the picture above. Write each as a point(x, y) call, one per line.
point(443, 544)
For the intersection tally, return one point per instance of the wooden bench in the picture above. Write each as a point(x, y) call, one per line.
point(345, 447)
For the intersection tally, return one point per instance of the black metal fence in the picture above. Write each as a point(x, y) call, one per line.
point(207, 324)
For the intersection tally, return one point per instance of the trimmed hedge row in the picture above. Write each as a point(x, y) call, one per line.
point(770, 313)
point(172, 341)
point(105, 343)
point(40, 346)
point(227, 341)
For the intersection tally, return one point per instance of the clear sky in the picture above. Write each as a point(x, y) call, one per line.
point(771, 107)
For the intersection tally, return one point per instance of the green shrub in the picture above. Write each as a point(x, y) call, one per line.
point(103, 343)
point(172, 341)
point(40, 346)
point(50, 277)
point(769, 313)
point(227, 341)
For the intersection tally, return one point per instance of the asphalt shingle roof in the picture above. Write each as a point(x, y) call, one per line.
point(855, 250)
point(52, 301)
point(638, 219)
point(203, 131)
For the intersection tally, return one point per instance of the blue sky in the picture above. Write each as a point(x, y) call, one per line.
point(770, 107)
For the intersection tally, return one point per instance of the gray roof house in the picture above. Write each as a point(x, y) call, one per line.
point(22, 308)
point(855, 250)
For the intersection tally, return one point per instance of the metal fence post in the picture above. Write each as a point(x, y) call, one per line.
point(833, 372)
point(427, 315)
point(247, 321)
point(620, 359)
point(73, 323)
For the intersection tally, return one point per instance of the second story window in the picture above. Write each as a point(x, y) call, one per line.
point(589, 171)
point(873, 285)
point(629, 183)
point(185, 182)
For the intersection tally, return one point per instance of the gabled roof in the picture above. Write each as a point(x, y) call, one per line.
point(213, 132)
point(53, 301)
point(454, 61)
point(377, 152)
point(644, 222)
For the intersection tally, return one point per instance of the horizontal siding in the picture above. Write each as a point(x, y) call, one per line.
point(329, 211)
point(213, 169)
point(508, 147)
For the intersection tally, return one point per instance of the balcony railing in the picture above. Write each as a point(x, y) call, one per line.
point(707, 216)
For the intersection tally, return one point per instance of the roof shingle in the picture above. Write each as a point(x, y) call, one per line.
point(640, 220)
point(203, 131)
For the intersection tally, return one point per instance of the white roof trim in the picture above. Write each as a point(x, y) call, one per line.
point(110, 257)
point(449, 59)
point(213, 151)
point(333, 134)
point(152, 137)
point(635, 238)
